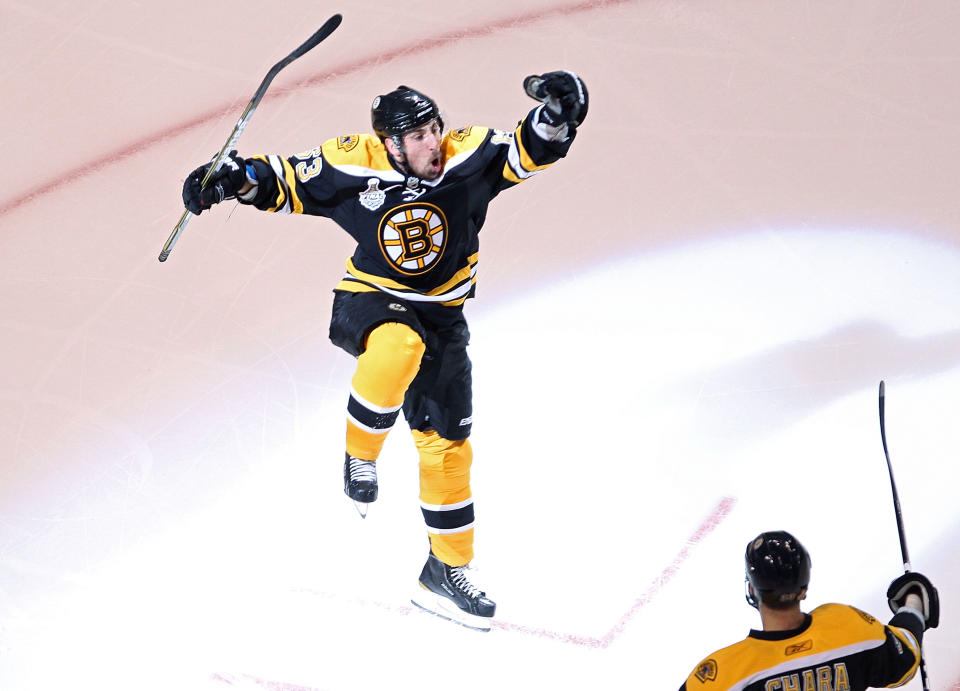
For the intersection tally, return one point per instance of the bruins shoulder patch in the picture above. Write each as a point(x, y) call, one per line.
point(348, 142)
point(363, 150)
point(464, 139)
point(706, 671)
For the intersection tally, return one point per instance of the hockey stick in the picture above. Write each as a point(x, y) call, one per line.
point(893, 485)
point(896, 508)
point(328, 28)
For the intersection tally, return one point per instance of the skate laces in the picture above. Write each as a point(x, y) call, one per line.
point(362, 471)
point(459, 579)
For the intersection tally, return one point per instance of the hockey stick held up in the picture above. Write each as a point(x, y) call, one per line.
point(896, 507)
point(328, 28)
point(893, 485)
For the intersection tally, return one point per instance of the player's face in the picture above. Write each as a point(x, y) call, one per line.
point(421, 148)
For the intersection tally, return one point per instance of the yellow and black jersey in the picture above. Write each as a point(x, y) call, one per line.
point(838, 648)
point(416, 239)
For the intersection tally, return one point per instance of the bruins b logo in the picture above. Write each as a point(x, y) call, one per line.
point(413, 237)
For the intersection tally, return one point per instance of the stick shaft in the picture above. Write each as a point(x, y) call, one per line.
point(896, 507)
point(893, 485)
point(328, 28)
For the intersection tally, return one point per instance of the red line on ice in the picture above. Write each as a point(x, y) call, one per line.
point(716, 516)
point(422, 45)
point(719, 513)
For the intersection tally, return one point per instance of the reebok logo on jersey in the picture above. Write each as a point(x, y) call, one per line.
point(397, 307)
point(801, 647)
point(466, 421)
point(866, 617)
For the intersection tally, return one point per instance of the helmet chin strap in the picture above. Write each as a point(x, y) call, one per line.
point(398, 142)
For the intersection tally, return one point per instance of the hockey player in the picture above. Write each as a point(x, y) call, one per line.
point(414, 199)
point(835, 647)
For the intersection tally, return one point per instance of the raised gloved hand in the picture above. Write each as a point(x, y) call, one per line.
point(224, 184)
point(913, 583)
point(564, 94)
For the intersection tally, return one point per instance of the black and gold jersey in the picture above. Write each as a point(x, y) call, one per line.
point(416, 239)
point(838, 648)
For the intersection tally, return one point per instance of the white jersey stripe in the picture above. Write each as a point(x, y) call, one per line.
point(449, 531)
point(277, 166)
point(807, 661)
point(371, 430)
point(414, 296)
point(372, 407)
point(446, 507)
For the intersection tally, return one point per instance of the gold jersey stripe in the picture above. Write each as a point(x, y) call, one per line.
point(359, 150)
point(508, 173)
point(353, 285)
point(458, 278)
point(908, 640)
point(458, 142)
point(525, 161)
point(839, 631)
point(290, 178)
point(281, 195)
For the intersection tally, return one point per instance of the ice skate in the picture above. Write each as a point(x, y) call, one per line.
point(446, 592)
point(360, 482)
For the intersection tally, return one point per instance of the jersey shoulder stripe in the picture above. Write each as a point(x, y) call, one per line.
point(462, 141)
point(836, 632)
point(357, 154)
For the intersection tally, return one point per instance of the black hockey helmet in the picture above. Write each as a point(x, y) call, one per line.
point(402, 110)
point(778, 569)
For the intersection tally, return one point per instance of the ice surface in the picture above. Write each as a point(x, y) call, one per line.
point(677, 341)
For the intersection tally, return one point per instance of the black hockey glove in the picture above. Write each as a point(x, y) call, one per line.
point(224, 184)
point(917, 583)
point(564, 94)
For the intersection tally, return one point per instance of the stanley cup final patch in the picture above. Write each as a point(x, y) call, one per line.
point(373, 197)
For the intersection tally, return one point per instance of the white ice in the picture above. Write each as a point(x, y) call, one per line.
point(677, 342)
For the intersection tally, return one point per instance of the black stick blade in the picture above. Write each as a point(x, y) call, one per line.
point(328, 28)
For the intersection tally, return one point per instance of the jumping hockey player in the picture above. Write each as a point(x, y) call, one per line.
point(835, 647)
point(414, 200)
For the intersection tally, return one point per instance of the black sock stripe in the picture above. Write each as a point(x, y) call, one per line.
point(446, 520)
point(367, 417)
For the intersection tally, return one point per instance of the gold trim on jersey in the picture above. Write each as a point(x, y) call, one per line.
point(836, 633)
point(453, 292)
point(361, 155)
point(463, 140)
point(519, 165)
point(287, 200)
point(907, 639)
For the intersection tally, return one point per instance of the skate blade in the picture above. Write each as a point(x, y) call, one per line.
point(440, 606)
point(361, 508)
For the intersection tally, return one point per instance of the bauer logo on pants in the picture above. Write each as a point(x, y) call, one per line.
point(413, 237)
